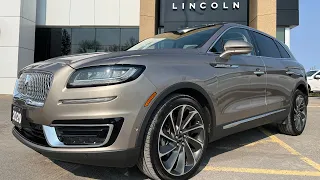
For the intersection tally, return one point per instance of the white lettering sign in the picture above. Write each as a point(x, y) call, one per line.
point(214, 5)
point(203, 5)
point(236, 5)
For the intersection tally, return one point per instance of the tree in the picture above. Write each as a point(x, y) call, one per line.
point(112, 48)
point(313, 68)
point(89, 46)
point(132, 41)
point(65, 43)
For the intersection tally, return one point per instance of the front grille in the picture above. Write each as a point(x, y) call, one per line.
point(74, 135)
point(34, 133)
point(34, 86)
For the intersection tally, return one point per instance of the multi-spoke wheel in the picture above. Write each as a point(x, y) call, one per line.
point(297, 117)
point(181, 139)
point(300, 113)
point(176, 139)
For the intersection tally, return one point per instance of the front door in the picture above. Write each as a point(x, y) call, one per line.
point(241, 82)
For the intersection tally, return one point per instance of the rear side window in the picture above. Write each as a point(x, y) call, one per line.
point(266, 45)
point(282, 50)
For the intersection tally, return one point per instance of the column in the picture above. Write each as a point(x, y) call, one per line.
point(17, 34)
point(263, 16)
point(147, 19)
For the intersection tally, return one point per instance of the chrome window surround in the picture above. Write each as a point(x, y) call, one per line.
point(53, 140)
point(248, 29)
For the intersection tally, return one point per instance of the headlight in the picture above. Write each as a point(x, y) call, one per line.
point(104, 75)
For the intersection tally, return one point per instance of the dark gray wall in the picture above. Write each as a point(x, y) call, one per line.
point(173, 19)
point(287, 12)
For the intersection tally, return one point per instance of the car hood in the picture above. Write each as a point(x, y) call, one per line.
point(104, 58)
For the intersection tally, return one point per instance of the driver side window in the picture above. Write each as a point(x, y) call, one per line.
point(232, 34)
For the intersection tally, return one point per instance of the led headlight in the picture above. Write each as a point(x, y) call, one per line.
point(104, 75)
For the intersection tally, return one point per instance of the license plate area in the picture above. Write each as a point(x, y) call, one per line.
point(18, 116)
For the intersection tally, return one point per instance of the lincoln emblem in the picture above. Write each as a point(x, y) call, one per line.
point(26, 83)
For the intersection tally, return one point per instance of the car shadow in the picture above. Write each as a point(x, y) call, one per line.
point(214, 149)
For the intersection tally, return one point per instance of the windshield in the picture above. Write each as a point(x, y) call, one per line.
point(184, 39)
point(310, 73)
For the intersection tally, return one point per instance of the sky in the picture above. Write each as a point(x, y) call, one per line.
point(305, 38)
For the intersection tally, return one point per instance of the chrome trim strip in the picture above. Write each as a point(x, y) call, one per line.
point(251, 119)
point(79, 125)
point(53, 141)
point(87, 101)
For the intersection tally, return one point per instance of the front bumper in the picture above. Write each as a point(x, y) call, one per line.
point(127, 105)
point(89, 156)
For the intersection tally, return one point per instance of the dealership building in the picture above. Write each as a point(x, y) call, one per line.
point(36, 30)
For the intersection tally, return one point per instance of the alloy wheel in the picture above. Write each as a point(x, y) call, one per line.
point(181, 140)
point(300, 112)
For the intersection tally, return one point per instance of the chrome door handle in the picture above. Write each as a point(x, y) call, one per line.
point(259, 73)
point(290, 73)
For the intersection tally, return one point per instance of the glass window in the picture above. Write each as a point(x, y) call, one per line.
point(82, 34)
point(232, 34)
point(310, 73)
point(109, 39)
point(53, 42)
point(83, 40)
point(183, 39)
point(266, 45)
point(282, 50)
point(281, 34)
point(129, 38)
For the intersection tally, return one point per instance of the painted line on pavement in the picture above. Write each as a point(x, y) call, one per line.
point(290, 149)
point(263, 171)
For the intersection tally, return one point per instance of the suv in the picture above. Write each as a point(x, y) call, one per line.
point(313, 78)
point(161, 102)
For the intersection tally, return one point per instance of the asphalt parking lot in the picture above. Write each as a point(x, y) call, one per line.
point(259, 153)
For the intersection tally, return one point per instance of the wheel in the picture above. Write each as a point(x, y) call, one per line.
point(309, 87)
point(175, 140)
point(297, 117)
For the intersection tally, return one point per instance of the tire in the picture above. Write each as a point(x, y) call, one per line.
point(292, 126)
point(309, 87)
point(153, 162)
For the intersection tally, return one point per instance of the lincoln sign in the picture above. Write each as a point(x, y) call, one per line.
point(176, 14)
point(204, 5)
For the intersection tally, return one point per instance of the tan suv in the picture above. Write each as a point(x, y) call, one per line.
point(161, 102)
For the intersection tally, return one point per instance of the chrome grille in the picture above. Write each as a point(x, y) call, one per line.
point(34, 87)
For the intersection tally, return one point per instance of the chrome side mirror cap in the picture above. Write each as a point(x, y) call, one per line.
point(235, 47)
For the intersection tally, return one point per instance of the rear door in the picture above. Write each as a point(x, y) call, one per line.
point(280, 76)
point(241, 82)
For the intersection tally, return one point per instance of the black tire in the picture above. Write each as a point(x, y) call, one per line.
point(149, 161)
point(289, 127)
point(309, 87)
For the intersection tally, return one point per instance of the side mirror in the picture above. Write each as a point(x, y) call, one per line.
point(317, 77)
point(235, 47)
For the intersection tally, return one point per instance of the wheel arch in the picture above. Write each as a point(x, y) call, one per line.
point(303, 87)
point(187, 88)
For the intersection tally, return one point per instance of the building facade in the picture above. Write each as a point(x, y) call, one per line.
point(36, 30)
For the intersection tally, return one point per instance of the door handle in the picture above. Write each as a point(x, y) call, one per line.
point(259, 73)
point(289, 73)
